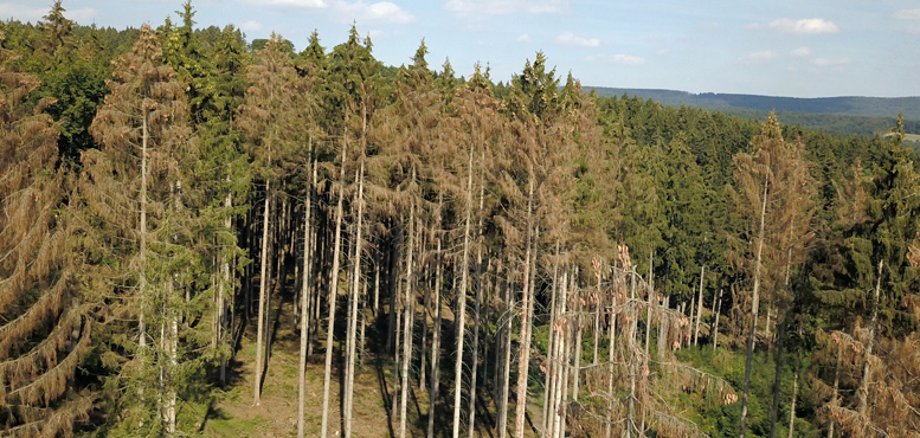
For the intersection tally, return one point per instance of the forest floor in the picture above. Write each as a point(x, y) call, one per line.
point(233, 414)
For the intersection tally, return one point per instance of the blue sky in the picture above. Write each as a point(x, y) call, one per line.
point(791, 48)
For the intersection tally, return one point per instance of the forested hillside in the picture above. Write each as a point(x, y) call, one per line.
point(204, 237)
point(839, 115)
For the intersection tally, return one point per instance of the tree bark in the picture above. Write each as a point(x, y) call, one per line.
point(304, 310)
point(263, 284)
point(699, 308)
point(526, 324)
point(749, 353)
point(863, 391)
point(333, 292)
point(461, 298)
point(353, 310)
point(408, 320)
point(434, 385)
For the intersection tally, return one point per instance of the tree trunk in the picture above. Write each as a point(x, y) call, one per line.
point(408, 320)
point(549, 380)
point(699, 308)
point(715, 328)
point(576, 359)
point(526, 324)
point(863, 391)
point(461, 298)
point(333, 292)
point(353, 310)
point(611, 337)
point(835, 400)
point(478, 299)
point(506, 361)
point(434, 385)
point(304, 310)
point(263, 284)
point(749, 353)
point(795, 393)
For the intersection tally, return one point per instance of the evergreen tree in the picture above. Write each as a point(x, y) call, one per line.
point(143, 266)
point(44, 334)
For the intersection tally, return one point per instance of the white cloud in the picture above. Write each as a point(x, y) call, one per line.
point(304, 4)
point(377, 12)
point(801, 52)
point(570, 39)
point(480, 9)
point(250, 26)
point(523, 38)
point(35, 14)
point(908, 14)
point(830, 62)
point(804, 26)
point(757, 57)
point(619, 58)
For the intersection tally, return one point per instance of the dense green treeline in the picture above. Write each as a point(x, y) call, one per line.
point(520, 258)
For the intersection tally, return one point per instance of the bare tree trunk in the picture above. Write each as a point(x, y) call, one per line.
point(304, 310)
point(715, 328)
point(863, 391)
point(142, 255)
point(835, 400)
point(478, 302)
point(559, 362)
point(433, 387)
point(407, 329)
point(461, 298)
point(611, 350)
point(333, 292)
point(699, 309)
point(353, 310)
point(749, 353)
point(551, 366)
point(795, 393)
point(263, 285)
point(506, 360)
point(631, 427)
point(526, 323)
point(576, 359)
point(222, 325)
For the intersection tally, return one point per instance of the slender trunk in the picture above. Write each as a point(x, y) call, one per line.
point(353, 311)
point(631, 427)
point(551, 353)
point(506, 361)
point(407, 329)
point(477, 305)
point(559, 382)
point(333, 292)
point(715, 328)
point(863, 391)
point(223, 325)
point(263, 284)
point(142, 256)
point(699, 307)
point(611, 336)
point(520, 407)
point(749, 353)
point(795, 393)
point(835, 400)
point(304, 311)
point(576, 359)
point(433, 386)
point(461, 298)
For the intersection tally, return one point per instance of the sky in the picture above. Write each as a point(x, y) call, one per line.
point(802, 48)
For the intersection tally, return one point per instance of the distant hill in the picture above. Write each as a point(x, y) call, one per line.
point(845, 115)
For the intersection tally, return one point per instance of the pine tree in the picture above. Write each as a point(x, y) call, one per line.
point(142, 266)
point(45, 334)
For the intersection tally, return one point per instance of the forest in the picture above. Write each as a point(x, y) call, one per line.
point(204, 236)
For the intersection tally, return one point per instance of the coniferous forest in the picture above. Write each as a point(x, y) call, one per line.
point(204, 236)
